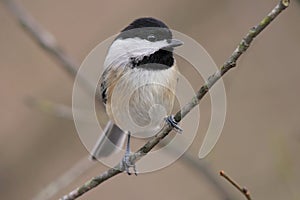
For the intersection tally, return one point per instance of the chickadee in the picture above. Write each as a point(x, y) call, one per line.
point(138, 83)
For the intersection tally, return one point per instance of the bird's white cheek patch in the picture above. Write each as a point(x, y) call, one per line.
point(122, 50)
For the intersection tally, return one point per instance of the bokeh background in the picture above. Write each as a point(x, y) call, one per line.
point(259, 146)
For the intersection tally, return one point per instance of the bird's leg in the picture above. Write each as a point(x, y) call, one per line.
point(127, 163)
point(170, 120)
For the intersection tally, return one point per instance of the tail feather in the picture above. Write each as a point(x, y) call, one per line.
point(110, 141)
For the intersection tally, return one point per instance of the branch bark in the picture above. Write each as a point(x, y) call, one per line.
point(243, 190)
point(48, 42)
point(229, 64)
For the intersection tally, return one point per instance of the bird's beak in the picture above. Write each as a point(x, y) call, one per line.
point(173, 43)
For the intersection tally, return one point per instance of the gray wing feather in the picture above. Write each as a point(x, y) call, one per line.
point(113, 137)
point(109, 142)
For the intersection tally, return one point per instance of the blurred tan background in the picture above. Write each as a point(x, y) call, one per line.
point(259, 146)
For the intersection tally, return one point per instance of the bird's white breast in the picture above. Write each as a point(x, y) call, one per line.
point(142, 98)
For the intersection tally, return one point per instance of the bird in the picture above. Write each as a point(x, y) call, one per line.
point(137, 86)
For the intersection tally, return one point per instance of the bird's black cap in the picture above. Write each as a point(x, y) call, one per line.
point(145, 26)
point(145, 22)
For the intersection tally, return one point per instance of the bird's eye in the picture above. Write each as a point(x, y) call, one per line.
point(151, 38)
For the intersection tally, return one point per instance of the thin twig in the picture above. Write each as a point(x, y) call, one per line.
point(230, 63)
point(65, 179)
point(243, 190)
point(48, 42)
point(43, 37)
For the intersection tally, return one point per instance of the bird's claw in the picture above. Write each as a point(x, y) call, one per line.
point(127, 163)
point(170, 120)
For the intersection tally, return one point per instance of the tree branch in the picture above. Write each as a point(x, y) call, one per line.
point(64, 179)
point(243, 190)
point(45, 39)
point(48, 42)
point(230, 63)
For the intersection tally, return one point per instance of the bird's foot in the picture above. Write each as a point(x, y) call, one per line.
point(126, 161)
point(170, 120)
